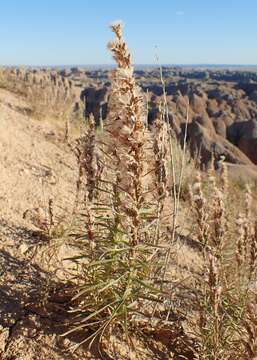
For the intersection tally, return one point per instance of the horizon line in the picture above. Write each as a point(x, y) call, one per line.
point(135, 64)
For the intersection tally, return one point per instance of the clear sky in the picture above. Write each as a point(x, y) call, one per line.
point(60, 32)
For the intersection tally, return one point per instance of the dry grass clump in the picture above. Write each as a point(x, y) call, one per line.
point(127, 206)
point(46, 220)
point(121, 284)
point(227, 287)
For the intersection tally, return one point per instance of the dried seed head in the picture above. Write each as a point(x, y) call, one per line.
point(117, 27)
point(214, 284)
point(224, 175)
point(126, 130)
point(240, 239)
point(160, 149)
point(250, 325)
point(253, 254)
point(87, 160)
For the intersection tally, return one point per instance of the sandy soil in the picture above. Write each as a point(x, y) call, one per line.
point(35, 166)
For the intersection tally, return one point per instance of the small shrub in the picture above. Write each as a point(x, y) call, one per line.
point(122, 261)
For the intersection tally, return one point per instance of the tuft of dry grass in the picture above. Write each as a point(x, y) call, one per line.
point(131, 193)
point(120, 286)
point(229, 274)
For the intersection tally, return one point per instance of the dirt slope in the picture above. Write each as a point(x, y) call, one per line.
point(35, 165)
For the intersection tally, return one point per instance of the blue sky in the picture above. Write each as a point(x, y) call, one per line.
point(43, 32)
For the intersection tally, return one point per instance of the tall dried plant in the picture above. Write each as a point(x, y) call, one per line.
point(225, 293)
point(126, 126)
point(120, 282)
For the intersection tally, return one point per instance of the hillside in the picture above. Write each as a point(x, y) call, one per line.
point(220, 104)
point(35, 166)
